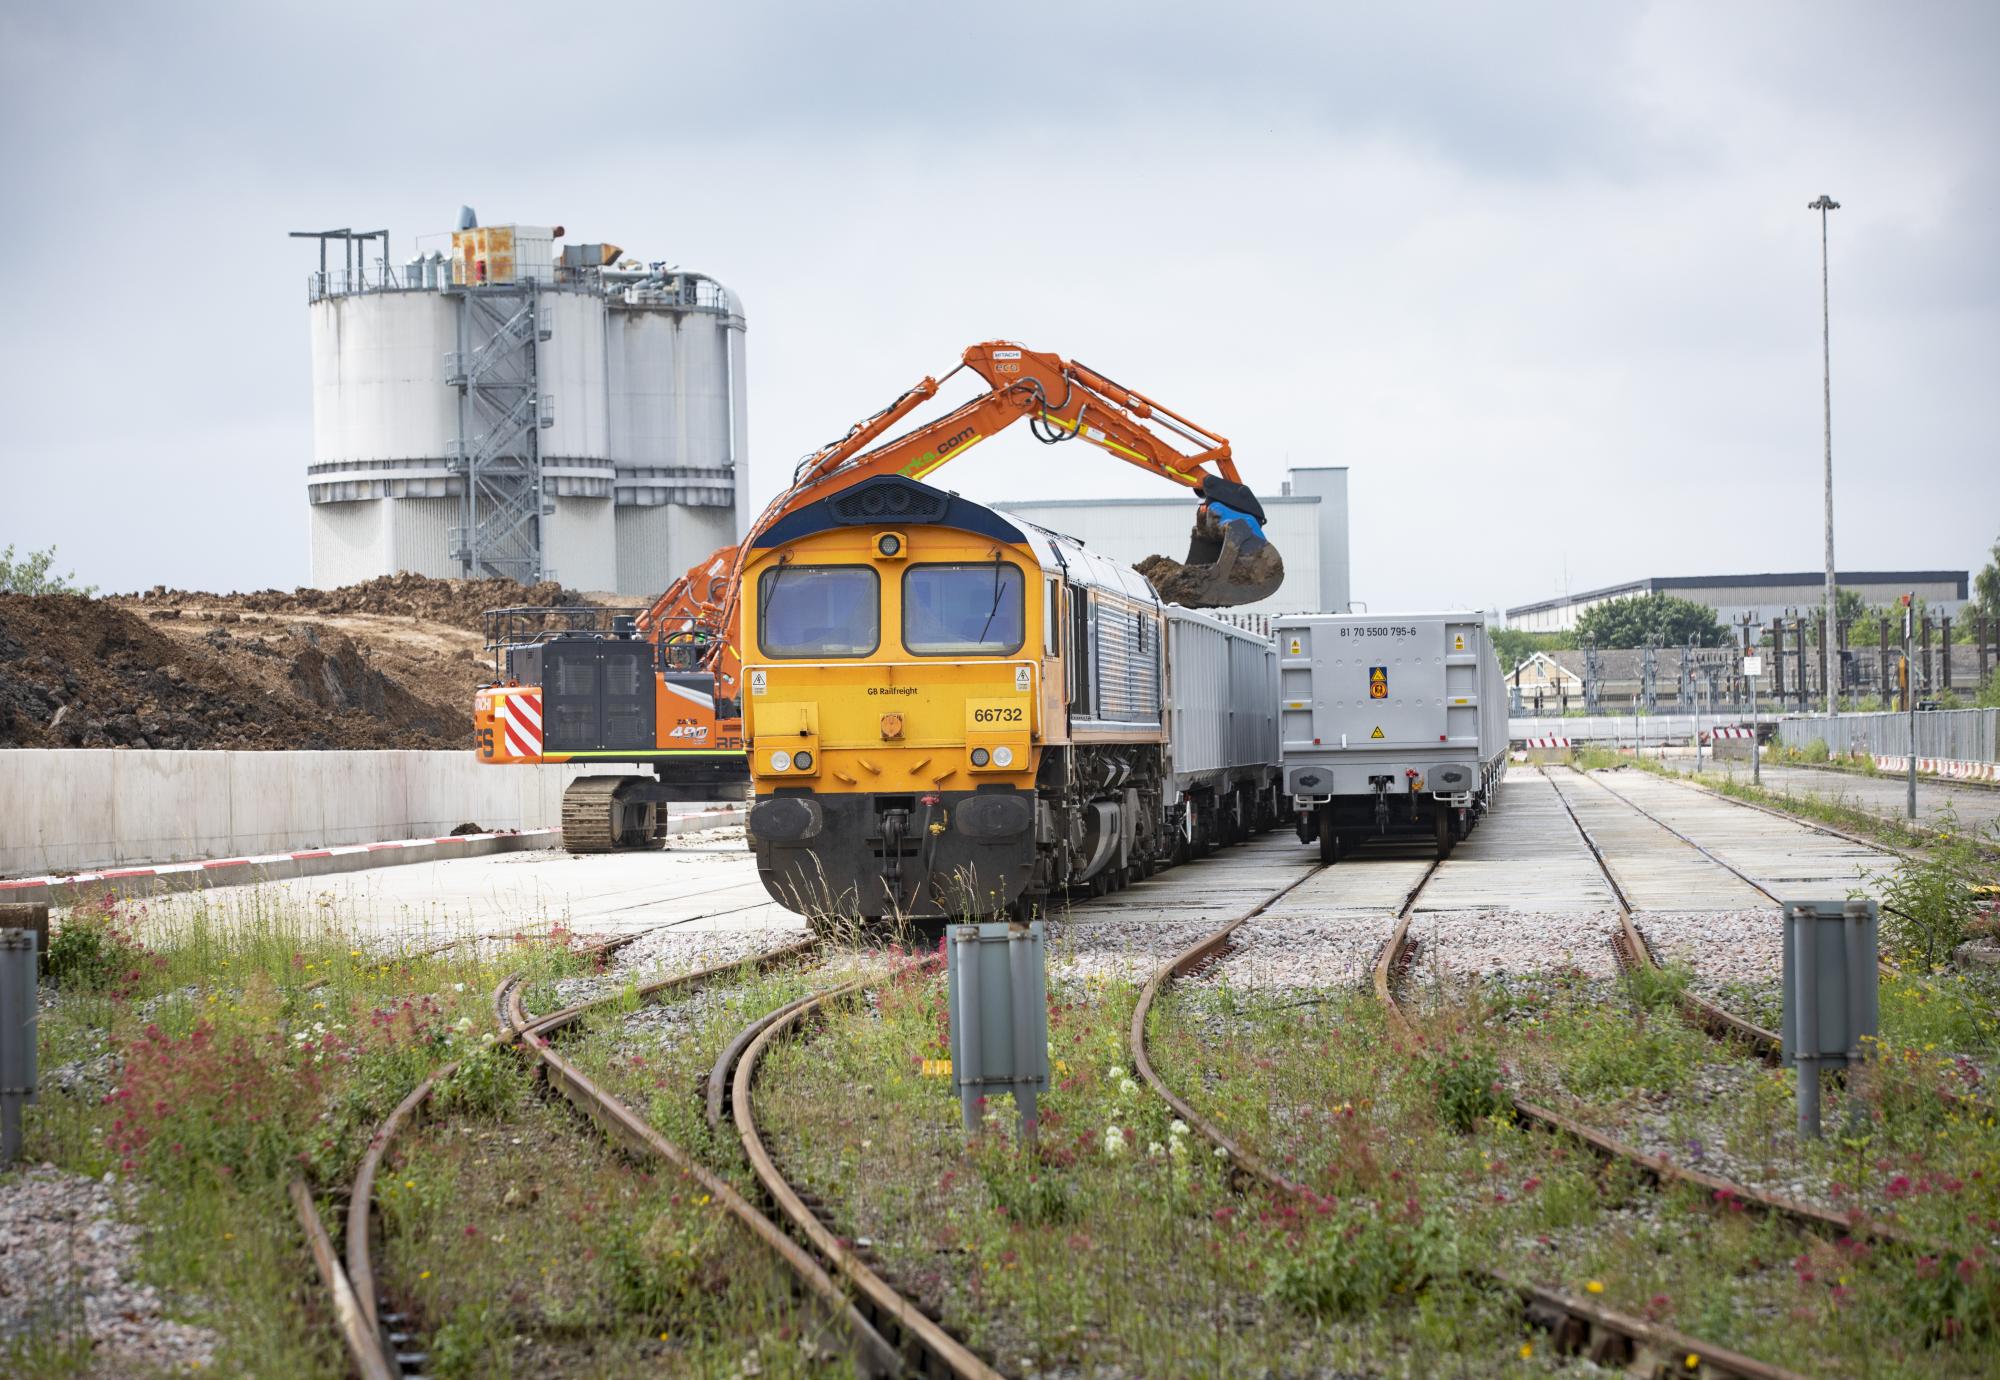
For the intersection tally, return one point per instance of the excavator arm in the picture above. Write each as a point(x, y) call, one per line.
point(1229, 562)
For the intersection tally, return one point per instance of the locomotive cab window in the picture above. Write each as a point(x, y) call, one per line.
point(963, 608)
point(819, 611)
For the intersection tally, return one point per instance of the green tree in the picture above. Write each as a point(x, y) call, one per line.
point(1633, 621)
point(1514, 645)
point(30, 575)
point(1985, 595)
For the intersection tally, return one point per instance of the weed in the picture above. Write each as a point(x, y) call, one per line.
point(1359, 1257)
point(1929, 901)
point(486, 1080)
point(1465, 1086)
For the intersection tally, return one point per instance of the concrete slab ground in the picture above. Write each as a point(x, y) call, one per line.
point(1791, 860)
point(702, 881)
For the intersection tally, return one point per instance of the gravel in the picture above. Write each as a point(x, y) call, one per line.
point(1721, 946)
point(1473, 943)
point(1333, 949)
point(666, 952)
point(1119, 950)
point(66, 1268)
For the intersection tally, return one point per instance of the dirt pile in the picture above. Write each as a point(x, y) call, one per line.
point(78, 672)
point(458, 603)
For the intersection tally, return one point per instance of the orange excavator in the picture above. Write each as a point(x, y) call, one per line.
point(658, 687)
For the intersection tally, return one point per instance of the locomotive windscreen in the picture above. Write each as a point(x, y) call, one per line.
point(963, 609)
point(819, 611)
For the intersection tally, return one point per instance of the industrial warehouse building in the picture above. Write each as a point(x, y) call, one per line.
point(521, 409)
point(1763, 597)
point(1306, 521)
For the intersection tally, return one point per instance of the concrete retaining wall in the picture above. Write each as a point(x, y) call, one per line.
point(64, 809)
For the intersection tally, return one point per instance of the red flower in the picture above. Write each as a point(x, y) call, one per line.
point(1899, 1187)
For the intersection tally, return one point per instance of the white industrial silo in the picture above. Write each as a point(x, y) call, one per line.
point(675, 359)
point(522, 409)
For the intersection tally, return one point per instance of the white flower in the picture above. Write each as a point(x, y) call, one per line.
point(464, 1026)
point(1156, 1150)
point(1220, 1153)
point(1177, 1127)
point(1177, 1148)
point(1127, 1088)
point(488, 1038)
point(458, 987)
point(1115, 1072)
point(1114, 1142)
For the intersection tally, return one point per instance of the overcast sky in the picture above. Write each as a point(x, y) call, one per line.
point(1541, 275)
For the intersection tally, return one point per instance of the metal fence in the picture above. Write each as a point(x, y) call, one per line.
point(1965, 735)
point(1618, 730)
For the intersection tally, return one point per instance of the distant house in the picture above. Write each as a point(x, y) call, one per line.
point(1543, 685)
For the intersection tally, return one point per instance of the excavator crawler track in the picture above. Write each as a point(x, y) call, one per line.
point(598, 816)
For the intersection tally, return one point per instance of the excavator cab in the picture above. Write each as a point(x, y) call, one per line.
point(1229, 562)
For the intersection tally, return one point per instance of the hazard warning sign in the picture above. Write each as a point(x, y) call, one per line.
point(1458, 642)
point(1377, 733)
point(1378, 683)
point(1295, 647)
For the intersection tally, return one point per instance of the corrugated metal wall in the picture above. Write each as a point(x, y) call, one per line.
point(1222, 696)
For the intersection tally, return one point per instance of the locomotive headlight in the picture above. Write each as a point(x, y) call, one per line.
point(889, 544)
point(980, 757)
point(781, 760)
point(802, 760)
point(1003, 757)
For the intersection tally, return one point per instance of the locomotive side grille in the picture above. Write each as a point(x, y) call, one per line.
point(1126, 647)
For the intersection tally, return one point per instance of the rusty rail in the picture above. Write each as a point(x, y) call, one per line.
point(1605, 1335)
point(941, 1354)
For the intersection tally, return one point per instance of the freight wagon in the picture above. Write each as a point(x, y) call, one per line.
point(1391, 725)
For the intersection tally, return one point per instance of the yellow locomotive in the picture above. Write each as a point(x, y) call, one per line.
point(950, 713)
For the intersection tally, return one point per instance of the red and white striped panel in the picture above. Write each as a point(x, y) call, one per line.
point(1548, 742)
point(520, 716)
point(1730, 733)
point(1951, 768)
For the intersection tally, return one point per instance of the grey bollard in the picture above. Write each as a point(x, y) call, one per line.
point(998, 990)
point(18, 951)
point(1832, 996)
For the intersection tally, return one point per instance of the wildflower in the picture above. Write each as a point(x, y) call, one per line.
point(1114, 1142)
point(1177, 1148)
point(1693, 1362)
point(1115, 1073)
point(1221, 1153)
point(1155, 1150)
point(1527, 1350)
point(458, 987)
point(702, 1201)
point(1177, 1127)
point(464, 1026)
point(1127, 1088)
point(1594, 1287)
point(425, 1275)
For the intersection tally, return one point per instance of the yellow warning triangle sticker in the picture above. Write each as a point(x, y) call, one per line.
point(1377, 733)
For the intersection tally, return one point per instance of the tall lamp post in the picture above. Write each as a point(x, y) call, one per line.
point(1830, 633)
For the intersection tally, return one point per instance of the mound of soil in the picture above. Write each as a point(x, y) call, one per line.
point(458, 603)
point(77, 672)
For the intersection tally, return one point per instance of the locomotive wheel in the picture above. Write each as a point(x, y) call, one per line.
point(1445, 837)
point(1329, 842)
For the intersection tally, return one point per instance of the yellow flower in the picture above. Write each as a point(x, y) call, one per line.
point(702, 1201)
point(425, 1275)
point(1527, 1350)
point(663, 1336)
point(1693, 1361)
point(229, 1236)
point(1594, 1287)
point(354, 953)
point(409, 1183)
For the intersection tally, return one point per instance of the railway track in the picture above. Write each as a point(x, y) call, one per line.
point(1578, 1325)
point(1632, 952)
point(382, 1342)
point(925, 1346)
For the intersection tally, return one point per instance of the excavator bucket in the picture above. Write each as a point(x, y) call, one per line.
point(1229, 560)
